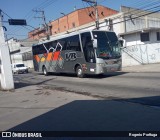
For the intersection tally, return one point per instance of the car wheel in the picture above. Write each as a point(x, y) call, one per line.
point(26, 71)
point(45, 72)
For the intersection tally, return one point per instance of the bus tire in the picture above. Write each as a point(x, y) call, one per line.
point(45, 72)
point(79, 72)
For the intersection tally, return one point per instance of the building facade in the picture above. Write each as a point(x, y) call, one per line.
point(21, 51)
point(72, 20)
point(14, 48)
point(142, 37)
point(139, 29)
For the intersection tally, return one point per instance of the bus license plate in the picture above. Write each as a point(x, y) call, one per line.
point(113, 69)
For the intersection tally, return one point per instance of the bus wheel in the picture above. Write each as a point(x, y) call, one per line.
point(79, 72)
point(45, 72)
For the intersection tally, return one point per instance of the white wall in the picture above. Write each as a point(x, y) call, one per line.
point(29, 63)
point(16, 58)
point(14, 45)
point(137, 52)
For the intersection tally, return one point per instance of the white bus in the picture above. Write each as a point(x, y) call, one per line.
point(86, 52)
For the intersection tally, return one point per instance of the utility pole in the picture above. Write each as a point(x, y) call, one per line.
point(42, 17)
point(94, 2)
point(5, 65)
point(44, 20)
point(97, 17)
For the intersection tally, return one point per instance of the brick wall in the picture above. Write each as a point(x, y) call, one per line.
point(74, 19)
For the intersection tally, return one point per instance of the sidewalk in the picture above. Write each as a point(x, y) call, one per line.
point(143, 68)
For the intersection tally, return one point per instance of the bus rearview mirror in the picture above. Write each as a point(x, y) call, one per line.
point(121, 42)
point(95, 43)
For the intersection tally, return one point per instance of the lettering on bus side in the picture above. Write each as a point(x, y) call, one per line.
point(70, 56)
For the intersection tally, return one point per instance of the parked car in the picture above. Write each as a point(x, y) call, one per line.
point(19, 68)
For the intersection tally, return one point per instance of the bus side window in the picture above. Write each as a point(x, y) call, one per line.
point(74, 43)
point(48, 45)
point(63, 43)
point(34, 50)
point(51, 46)
point(42, 49)
point(68, 43)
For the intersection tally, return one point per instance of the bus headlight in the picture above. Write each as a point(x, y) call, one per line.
point(101, 64)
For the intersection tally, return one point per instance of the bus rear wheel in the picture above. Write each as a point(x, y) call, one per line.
point(45, 72)
point(79, 72)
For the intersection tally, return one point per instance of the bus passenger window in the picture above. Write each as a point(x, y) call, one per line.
point(73, 43)
point(63, 43)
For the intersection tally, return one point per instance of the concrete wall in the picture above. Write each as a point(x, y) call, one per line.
point(137, 52)
point(29, 63)
point(18, 49)
point(14, 48)
point(16, 58)
point(27, 56)
point(141, 23)
point(154, 22)
point(13, 44)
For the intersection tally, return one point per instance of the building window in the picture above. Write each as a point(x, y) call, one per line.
point(73, 25)
point(144, 37)
point(27, 56)
point(158, 36)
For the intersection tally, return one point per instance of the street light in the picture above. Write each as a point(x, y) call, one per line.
point(63, 14)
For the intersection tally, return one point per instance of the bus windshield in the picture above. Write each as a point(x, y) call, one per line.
point(107, 45)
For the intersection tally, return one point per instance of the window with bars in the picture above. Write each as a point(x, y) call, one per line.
point(145, 37)
point(158, 36)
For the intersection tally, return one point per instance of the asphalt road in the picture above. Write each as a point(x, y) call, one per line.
point(114, 102)
point(141, 88)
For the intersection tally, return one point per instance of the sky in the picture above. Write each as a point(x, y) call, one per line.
point(23, 9)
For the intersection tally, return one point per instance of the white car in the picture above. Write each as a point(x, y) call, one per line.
point(19, 68)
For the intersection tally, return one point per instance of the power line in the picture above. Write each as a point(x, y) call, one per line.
point(16, 35)
point(138, 16)
point(94, 2)
point(142, 8)
point(11, 18)
point(87, 10)
point(48, 4)
point(30, 13)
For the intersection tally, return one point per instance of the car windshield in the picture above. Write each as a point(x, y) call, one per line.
point(19, 65)
point(107, 45)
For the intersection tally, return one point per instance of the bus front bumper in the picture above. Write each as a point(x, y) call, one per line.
point(103, 68)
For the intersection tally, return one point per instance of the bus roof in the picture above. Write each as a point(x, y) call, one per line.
point(66, 35)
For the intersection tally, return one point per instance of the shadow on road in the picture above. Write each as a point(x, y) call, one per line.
point(21, 84)
point(99, 76)
point(153, 101)
point(109, 74)
point(94, 115)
